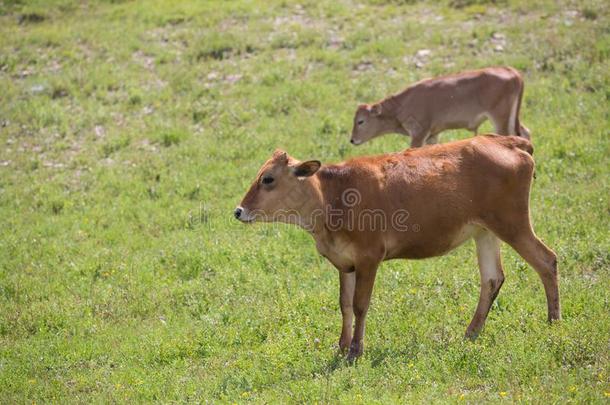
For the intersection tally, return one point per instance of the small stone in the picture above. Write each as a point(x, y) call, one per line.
point(335, 41)
point(423, 53)
point(25, 73)
point(99, 131)
point(37, 89)
point(233, 78)
point(55, 66)
point(53, 165)
point(364, 66)
point(571, 13)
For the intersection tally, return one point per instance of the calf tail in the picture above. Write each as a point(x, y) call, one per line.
point(520, 130)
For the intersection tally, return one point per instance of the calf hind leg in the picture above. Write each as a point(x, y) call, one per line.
point(492, 277)
point(500, 123)
point(544, 261)
point(432, 140)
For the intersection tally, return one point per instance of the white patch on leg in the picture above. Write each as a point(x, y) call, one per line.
point(488, 255)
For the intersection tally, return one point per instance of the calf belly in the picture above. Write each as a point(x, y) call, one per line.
point(465, 115)
point(428, 243)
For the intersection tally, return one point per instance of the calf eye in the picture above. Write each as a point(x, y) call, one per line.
point(360, 122)
point(267, 180)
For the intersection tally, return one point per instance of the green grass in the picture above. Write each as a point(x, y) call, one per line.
point(131, 129)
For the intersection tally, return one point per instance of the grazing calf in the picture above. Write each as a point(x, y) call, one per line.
point(431, 106)
point(414, 204)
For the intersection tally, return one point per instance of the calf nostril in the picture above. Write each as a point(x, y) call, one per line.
point(238, 212)
point(352, 141)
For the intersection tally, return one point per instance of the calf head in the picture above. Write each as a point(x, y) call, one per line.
point(279, 191)
point(368, 123)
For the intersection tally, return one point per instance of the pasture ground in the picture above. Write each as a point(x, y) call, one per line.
point(131, 129)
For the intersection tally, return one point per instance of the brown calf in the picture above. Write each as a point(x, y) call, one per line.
point(414, 204)
point(431, 106)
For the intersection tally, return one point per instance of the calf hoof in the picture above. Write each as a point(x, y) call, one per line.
point(344, 345)
point(554, 314)
point(355, 351)
point(471, 334)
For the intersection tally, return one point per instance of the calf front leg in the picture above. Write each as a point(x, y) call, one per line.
point(347, 284)
point(365, 278)
point(492, 277)
point(418, 139)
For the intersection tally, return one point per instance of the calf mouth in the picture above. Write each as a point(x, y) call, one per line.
point(242, 215)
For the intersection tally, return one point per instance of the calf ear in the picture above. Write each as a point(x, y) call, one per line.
point(306, 169)
point(375, 110)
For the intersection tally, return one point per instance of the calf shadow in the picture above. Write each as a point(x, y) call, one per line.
point(376, 356)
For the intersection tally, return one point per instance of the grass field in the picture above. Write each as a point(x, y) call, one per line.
point(131, 129)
